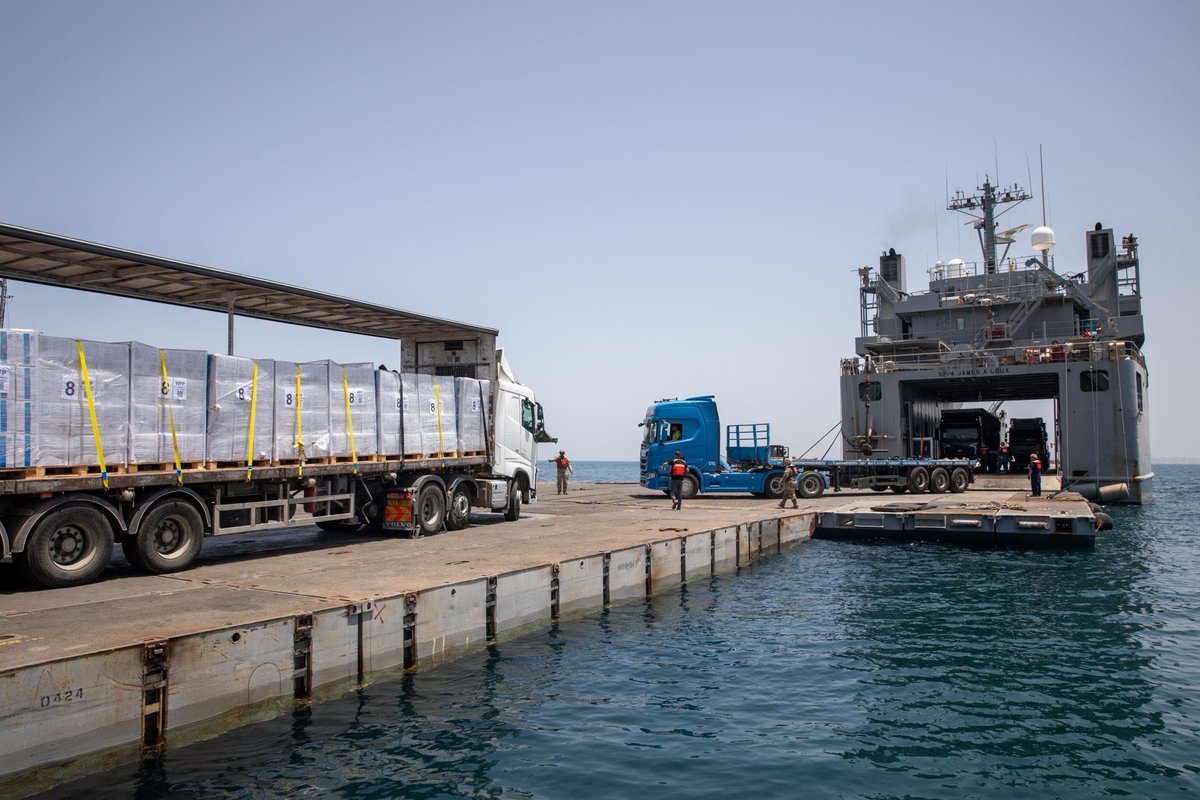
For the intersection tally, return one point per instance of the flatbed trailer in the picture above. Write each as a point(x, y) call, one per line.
point(897, 474)
point(60, 524)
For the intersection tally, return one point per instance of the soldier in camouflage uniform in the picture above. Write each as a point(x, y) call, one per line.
point(789, 484)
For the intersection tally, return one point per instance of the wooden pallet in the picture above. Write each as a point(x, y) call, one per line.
point(472, 453)
point(75, 470)
point(163, 466)
point(234, 464)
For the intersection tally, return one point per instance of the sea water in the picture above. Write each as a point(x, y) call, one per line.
point(831, 670)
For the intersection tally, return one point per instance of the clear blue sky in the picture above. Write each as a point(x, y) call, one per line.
point(647, 199)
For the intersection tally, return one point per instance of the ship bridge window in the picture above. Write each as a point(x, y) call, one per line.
point(1139, 392)
point(870, 390)
point(1094, 380)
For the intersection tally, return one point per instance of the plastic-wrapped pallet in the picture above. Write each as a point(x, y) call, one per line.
point(235, 393)
point(439, 433)
point(352, 388)
point(472, 400)
point(313, 403)
point(154, 403)
point(390, 406)
point(18, 371)
point(412, 388)
point(65, 436)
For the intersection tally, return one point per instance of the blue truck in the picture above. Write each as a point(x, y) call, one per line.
point(751, 463)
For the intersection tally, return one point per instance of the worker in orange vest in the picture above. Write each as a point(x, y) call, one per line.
point(678, 473)
point(564, 470)
point(1035, 475)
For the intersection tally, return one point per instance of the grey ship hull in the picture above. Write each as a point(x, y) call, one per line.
point(1007, 330)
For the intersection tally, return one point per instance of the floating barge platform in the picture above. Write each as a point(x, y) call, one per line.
point(98, 674)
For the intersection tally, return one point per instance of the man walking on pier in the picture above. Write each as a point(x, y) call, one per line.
point(678, 472)
point(564, 470)
point(789, 483)
point(1035, 475)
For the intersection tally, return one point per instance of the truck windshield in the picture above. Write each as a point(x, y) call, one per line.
point(964, 435)
point(655, 431)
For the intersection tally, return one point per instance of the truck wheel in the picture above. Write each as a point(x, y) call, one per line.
point(458, 515)
point(691, 487)
point(939, 480)
point(68, 547)
point(513, 512)
point(168, 538)
point(811, 485)
point(879, 488)
point(431, 509)
point(899, 489)
point(773, 486)
point(959, 479)
point(918, 480)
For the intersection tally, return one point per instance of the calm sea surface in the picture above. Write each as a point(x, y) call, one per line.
point(832, 670)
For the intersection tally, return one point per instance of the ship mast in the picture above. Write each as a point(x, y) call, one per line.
point(981, 207)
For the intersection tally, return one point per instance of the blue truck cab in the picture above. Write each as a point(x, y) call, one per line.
point(691, 426)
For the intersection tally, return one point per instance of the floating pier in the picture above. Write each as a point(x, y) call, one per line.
point(97, 674)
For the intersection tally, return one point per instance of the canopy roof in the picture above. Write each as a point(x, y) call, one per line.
point(53, 260)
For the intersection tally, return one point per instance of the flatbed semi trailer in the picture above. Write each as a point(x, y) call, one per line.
point(60, 523)
point(751, 463)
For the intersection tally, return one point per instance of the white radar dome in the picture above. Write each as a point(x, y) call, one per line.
point(1043, 238)
point(956, 268)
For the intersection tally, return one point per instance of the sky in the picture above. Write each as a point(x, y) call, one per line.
point(647, 199)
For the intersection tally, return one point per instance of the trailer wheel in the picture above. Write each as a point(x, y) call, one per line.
point(959, 479)
point(458, 514)
point(811, 485)
point(939, 480)
point(879, 488)
point(691, 487)
point(513, 512)
point(168, 538)
point(773, 486)
point(431, 509)
point(918, 480)
point(69, 546)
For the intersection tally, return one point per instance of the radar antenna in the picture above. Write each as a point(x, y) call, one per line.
point(981, 207)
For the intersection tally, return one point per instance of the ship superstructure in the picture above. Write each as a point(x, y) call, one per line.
point(1008, 328)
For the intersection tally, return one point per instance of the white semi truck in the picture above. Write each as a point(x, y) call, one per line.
point(60, 524)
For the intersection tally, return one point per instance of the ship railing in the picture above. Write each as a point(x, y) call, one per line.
point(1080, 348)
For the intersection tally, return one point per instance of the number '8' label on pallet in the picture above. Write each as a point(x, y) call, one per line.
point(173, 389)
point(72, 387)
point(357, 397)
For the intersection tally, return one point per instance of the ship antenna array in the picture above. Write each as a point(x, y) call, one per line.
point(982, 208)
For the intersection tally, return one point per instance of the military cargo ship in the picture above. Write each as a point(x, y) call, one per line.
point(1006, 329)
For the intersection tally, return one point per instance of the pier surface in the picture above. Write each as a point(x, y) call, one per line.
point(133, 660)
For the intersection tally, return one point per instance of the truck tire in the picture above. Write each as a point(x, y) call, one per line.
point(918, 480)
point(773, 486)
point(811, 485)
point(691, 487)
point(959, 480)
point(431, 509)
point(168, 538)
point(513, 512)
point(899, 489)
point(458, 513)
point(939, 480)
point(69, 546)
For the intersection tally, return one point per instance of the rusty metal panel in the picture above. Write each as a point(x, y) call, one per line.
point(699, 555)
point(216, 672)
point(581, 584)
point(65, 709)
point(665, 572)
point(725, 554)
point(523, 597)
point(796, 529)
point(627, 574)
point(451, 618)
point(770, 535)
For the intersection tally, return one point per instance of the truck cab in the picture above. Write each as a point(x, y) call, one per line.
point(692, 426)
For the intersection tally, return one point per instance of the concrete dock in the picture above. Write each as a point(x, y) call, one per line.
point(134, 662)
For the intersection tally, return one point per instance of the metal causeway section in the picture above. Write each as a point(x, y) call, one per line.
point(100, 708)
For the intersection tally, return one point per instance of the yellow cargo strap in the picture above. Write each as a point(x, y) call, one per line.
point(299, 443)
point(166, 394)
point(250, 437)
point(87, 388)
point(349, 420)
point(437, 399)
